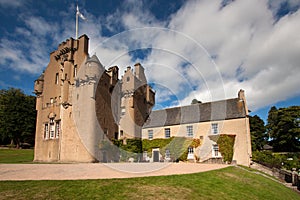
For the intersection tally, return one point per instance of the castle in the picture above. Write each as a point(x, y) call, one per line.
point(81, 105)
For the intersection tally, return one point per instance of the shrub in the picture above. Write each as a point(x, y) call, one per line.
point(277, 160)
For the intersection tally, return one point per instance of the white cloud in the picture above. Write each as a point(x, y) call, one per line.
point(243, 36)
point(251, 48)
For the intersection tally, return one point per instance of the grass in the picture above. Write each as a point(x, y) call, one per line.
point(228, 183)
point(16, 155)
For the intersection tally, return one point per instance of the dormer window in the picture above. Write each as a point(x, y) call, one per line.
point(128, 79)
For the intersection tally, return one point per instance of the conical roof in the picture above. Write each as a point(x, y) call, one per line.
point(94, 59)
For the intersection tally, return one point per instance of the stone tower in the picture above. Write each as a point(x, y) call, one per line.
point(136, 102)
point(56, 137)
point(81, 106)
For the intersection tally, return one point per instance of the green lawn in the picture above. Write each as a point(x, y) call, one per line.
point(228, 183)
point(16, 155)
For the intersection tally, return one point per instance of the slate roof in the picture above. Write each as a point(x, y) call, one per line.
point(202, 112)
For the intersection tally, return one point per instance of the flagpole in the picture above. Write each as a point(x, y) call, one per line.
point(76, 37)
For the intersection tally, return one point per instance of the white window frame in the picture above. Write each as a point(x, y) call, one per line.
point(215, 128)
point(190, 150)
point(215, 151)
point(57, 129)
point(167, 132)
point(189, 131)
point(150, 134)
point(52, 130)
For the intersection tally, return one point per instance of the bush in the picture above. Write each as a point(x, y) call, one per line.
point(277, 160)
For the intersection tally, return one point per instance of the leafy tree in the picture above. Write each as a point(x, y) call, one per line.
point(17, 116)
point(258, 132)
point(284, 128)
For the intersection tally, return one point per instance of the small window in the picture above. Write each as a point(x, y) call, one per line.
point(121, 133)
point(46, 131)
point(215, 152)
point(128, 79)
point(189, 131)
point(75, 71)
point(150, 134)
point(57, 129)
point(167, 133)
point(56, 78)
point(214, 128)
point(123, 111)
point(66, 77)
point(52, 130)
point(190, 150)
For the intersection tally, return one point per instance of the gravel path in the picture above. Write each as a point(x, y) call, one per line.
point(98, 170)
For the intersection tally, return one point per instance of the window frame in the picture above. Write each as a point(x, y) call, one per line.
point(150, 131)
point(167, 132)
point(46, 131)
point(215, 128)
point(215, 151)
point(189, 131)
point(56, 78)
point(57, 129)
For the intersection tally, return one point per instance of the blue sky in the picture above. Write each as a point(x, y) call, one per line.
point(206, 49)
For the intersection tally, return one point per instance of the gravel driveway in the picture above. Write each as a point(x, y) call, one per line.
point(98, 170)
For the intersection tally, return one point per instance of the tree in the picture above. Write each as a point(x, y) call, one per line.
point(17, 116)
point(284, 128)
point(258, 133)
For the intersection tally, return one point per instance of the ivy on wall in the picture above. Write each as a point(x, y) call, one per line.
point(178, 147)
point(226, 143)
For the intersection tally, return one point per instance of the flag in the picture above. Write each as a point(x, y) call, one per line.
point(79, 14)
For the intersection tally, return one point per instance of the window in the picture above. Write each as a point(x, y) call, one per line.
point(75, 71)
point(56, 78)
point(52, 130)
point(57, 129)
point(214, 128)
point(168, 154)
point(51, 100)
point(215, 152)
point(189, 131)
point(66, 77)
point(46, 131)
point(167, 133)
point(123, 111)
point(190, 150)
point(128, 79)
point(150, 134)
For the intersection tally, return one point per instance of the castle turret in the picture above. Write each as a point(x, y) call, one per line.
point(136, 102)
